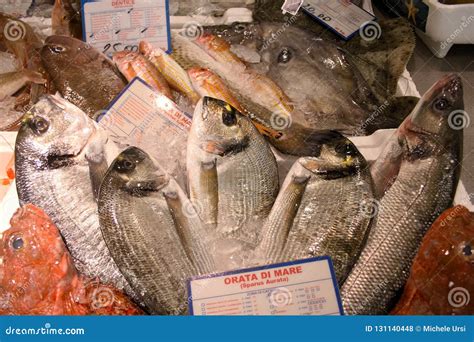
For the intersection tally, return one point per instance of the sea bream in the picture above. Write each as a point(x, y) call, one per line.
point(84, 76)
point(232, 178)
point(321, 209)
point(55, 148)
point(426, 154)
point(152, 231)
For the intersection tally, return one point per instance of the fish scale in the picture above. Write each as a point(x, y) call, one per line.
point(421, 192)
point(340, 231)
point(147, 250)
point(74, 211)
point(153, 232)
point(319, 209)
point(232, 177)
point(64, 190)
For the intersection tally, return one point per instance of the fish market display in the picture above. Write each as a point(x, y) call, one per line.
point(170, 69)
point(261, 173)
point(151, 228)
point(132, 64)
point(320, 209)
point(54, 147)
point(440, 281)
point(232, 176)
point(39, 278)
point(83, 75)
point(428, 152)
point(13, 81)
point(332, 95)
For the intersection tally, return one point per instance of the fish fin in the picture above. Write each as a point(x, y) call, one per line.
point(390, 114)
point(34, 76)
point(385, 168)
point(224, 148)
point(383, 60)
point(97, 171)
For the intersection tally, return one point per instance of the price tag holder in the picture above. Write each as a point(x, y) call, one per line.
point(116, 25)
point(303, 287)
point(340, 16)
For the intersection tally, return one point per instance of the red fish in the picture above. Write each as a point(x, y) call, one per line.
point(37, 276)
point(441, 281)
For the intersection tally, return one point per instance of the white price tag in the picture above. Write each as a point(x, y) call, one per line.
point(303, 287)
point(141, 117)
point(341, 16)
point(116, 25)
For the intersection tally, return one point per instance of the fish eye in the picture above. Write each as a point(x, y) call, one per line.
point(346, 149)
point(125, 165)
point(39, 125)
point(441, 104)
point(239, 28)
point(285, 56)
point(228, 116)
point(16, 242)
point(57, 48)
point(467, 250)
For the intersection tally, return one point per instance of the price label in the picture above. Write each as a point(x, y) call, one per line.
point(341, 16)
point(303, 287)
point(117, 25)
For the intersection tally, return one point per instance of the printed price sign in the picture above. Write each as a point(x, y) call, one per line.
point(341, 16)
point(303, 287)
point(141, 117)
point(116, 25)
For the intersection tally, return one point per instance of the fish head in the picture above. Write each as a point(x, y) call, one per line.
point(337, 157)
point(33, 261)
point(53, 133)
point(220, 128)
point(137, 173)
point(200, 75)
point(67, 52)
point(439, 108)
